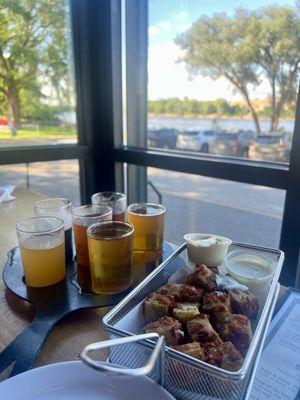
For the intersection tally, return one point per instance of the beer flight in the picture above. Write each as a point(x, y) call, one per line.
point(105, 242)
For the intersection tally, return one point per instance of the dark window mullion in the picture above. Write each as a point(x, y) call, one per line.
point(290, 232)
point(256, 173)
point(18, 155)
point(92, 41)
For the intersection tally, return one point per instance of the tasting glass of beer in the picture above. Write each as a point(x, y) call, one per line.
point(148, 220)
point(42, 245)
point(117, 201)
point(110, 251)
point(60, 208)
point(83, 217)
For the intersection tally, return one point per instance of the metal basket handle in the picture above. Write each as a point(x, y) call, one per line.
point(157, 354)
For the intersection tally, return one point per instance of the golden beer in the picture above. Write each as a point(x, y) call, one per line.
point(42, 247)
point(83, 217)
point(61, 208)
point(148, 220)
point(43, 266)
point(110, 253)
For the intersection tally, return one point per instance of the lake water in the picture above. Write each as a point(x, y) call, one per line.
point(208, 123)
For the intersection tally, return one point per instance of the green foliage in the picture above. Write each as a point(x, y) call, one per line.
point(246, 48)
point(42, 112)
point(33, 51)
point(176, 106)
point(39, 132)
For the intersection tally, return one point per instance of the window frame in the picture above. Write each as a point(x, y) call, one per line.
point(97, 36)
point(94, 83)
point(280, 176)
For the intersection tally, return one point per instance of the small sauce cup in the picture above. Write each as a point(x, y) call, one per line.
point(207, 249)
point(254, 271)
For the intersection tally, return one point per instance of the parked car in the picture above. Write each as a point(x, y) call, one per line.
point(195, 140)
point(233, 143)
point(225, 144)
point(3, 121)
point(287, 138)
point(269, 148)
point(165, 138)
point(244, 141)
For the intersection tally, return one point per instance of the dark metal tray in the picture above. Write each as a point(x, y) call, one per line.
point(51, 305)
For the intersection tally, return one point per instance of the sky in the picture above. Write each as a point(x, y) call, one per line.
point(169, 78)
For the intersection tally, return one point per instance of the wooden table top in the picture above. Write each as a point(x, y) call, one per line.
point(68, 338)
point(73, 333)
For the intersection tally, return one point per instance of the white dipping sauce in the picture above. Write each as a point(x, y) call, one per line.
point(253, 271)
point(206, 249)
point(205, 242)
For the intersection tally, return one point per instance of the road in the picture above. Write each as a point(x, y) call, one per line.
point(195, 204)
point(52, 178)
point(242, 212)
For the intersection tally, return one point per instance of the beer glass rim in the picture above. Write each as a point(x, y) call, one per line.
point(120, 196)
point(142, 204)
point(113, 223)
point(59, 221)
point(65, 203)
point(107, 211)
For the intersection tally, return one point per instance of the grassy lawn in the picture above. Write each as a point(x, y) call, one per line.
point(39, 133)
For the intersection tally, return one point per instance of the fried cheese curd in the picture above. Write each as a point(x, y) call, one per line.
point(191, 349)
point(157, 305)
point(185, 311)
point(203, 277)
point(200, 330)
point(223, 355)
point(244, 302)
point(182, 293)
point(217, 305)
point(168, 327)
point(237, 329)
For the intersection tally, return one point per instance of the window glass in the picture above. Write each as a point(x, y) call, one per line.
point(222, 66)
point(51, 178)
point(37, 99)
point(243, 212)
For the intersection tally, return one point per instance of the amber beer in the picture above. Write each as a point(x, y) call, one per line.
point(148, 220)
point(83, 217)
point(110, 251)
point(83, 264)
point(117, 201)
point(42, 249)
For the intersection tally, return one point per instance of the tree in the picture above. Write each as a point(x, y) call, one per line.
point(245, 49)
point(277, 34)
point(33, 50)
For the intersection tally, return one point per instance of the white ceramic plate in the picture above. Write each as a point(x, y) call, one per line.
point(74, 380)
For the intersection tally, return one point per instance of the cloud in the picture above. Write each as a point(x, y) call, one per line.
point(177, 22)
point(160, 28)
point(168, 78)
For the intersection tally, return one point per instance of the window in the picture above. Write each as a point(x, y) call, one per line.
point(53, 178)
point(243, 212)
point(221, 66)
point(37, 98)
point(180, 81)
point(38, 130)
point(133, 108)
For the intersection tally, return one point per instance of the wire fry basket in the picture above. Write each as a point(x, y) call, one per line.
point(183, 376)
